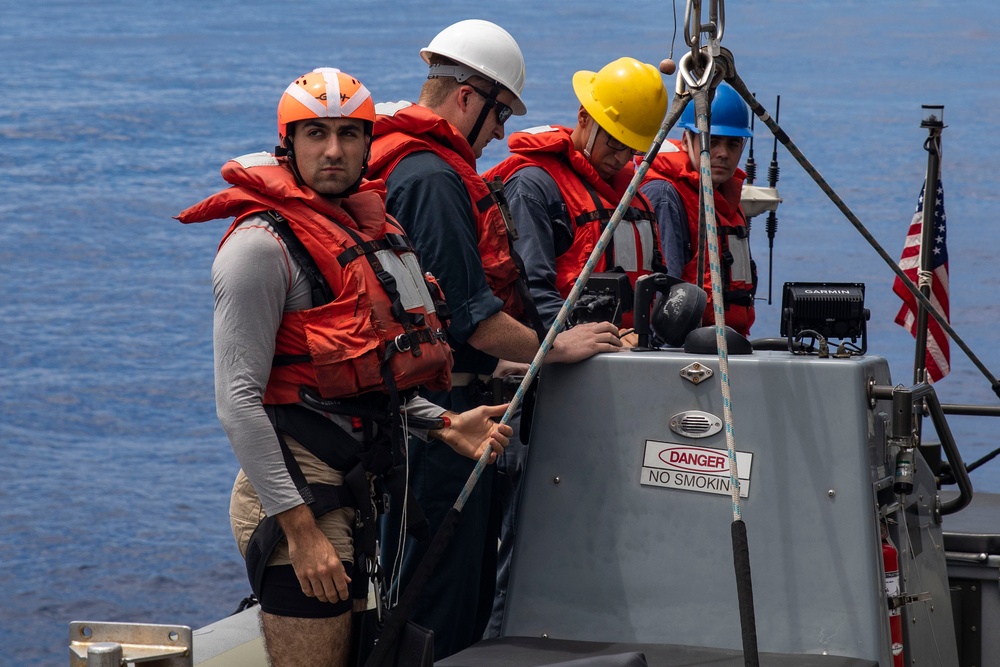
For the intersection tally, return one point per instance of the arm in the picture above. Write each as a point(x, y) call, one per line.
point(431, 203)
point(430, 200)
point(672, 221)
point(471, 432)
point(468, 433)
point(252, 278)
point(543, 233)
point(581, 342)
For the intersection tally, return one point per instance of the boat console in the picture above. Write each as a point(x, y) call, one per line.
point(624, 526)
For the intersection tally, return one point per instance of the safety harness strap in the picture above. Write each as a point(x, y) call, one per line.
point(498, 198)
point(321, 292)
point(602, 214)
point(268, 534)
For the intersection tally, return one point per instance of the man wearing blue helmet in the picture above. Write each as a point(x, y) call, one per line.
point(672, 185)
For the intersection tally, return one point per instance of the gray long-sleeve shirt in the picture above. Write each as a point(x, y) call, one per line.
point(255, 283)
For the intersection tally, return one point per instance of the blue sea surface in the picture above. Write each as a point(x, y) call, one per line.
point(115, 115)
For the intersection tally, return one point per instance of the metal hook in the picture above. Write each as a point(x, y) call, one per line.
point(714, 29)
point(692, 24)
point(685, 70)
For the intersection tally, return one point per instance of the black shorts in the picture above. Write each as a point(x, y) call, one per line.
point(282, 595)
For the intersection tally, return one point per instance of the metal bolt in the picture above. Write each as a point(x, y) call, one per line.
point(104, 654)
point(556, 480)
point(832, 493)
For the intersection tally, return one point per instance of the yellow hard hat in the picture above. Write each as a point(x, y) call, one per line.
point(627, 98)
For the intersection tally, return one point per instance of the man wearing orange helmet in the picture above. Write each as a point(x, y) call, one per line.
point(426, 153)
point(563, 185)
point(324, 329)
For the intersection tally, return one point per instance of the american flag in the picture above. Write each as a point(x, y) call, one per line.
point(938, 356)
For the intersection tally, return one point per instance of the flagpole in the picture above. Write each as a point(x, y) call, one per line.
point(933, 121)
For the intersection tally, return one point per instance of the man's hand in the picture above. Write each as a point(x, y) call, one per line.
point(584, 341)
point(506, 368)
point(472, 432)
point(629, 338)
point(315, 561)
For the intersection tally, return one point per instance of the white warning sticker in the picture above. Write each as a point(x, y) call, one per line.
point(676, 466)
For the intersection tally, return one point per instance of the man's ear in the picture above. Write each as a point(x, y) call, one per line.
point(286, 141)
point(686, 140)
point(463, 93)
point(582, 116)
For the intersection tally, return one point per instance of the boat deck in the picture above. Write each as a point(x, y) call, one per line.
point(538, 652)
point(975, 529)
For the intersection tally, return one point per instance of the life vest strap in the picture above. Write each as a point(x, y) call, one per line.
point(321, 292)
point(393, 242)
point(498, 196)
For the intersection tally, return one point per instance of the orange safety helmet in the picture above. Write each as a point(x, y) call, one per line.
point(310, 95)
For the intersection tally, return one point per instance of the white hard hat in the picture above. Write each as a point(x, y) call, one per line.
point(486, 48)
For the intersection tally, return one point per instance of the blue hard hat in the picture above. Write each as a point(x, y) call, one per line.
point(730, 114)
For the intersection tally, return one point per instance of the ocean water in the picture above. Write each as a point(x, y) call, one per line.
point(115, 115)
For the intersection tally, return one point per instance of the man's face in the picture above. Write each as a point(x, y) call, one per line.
point(608, 155)
point(724, 153)
point(492, 128)
point(330, 153)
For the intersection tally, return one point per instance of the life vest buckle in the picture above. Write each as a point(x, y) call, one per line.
point(402, 342)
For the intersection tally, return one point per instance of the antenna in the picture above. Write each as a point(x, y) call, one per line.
point(751, 165)
point(772, 217)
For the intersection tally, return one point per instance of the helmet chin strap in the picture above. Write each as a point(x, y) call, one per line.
point(281, 151)
point(591, 139)
point(490, 102)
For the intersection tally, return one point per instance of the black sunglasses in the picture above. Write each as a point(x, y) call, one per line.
point(503, 111)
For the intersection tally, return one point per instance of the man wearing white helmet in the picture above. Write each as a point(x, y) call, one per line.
point(426, 153)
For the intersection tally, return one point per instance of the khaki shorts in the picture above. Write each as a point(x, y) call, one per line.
point(245, 510)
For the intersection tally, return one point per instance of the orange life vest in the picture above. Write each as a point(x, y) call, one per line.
point(379, 326)
point(590, 203)
point(414, 128)
point(739, 274)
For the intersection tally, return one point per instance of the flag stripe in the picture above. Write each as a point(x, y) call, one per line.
point(938, 356)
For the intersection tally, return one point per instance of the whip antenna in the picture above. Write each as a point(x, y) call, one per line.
point(772, 217)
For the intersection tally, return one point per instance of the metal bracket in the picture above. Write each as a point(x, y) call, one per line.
point(153, 645)
point(696, 373)
point(900, 601)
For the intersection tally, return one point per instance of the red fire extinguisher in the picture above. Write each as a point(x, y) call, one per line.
point(890, 562)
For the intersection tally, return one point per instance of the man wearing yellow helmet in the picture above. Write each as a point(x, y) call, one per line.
point(311, 281)
point(426, 153)
point(563, 185)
